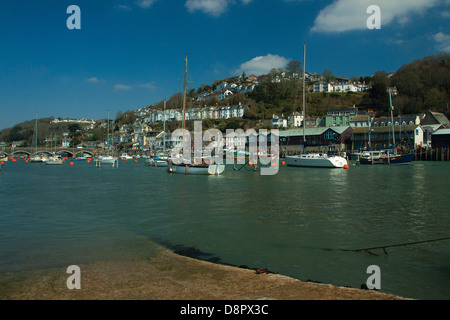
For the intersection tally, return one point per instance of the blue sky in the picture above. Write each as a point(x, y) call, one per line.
point(130, 53)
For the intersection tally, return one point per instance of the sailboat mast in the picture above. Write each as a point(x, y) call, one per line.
point(36, 133)
point(164, 132)
point(184, 93)
point(304, 78)
point(392, 119)
point(107, 134)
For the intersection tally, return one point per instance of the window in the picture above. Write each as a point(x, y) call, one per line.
point(329, 135)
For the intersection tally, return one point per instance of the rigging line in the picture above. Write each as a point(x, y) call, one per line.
point(404, 125)
point(381, 247)
point(402, 244)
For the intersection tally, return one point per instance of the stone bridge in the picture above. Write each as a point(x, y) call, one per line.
point(67, 152)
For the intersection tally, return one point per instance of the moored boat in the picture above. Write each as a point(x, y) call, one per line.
point(316, 160)
point(187, 166)
point(125, 156)
point(107, 159)
point(54, 161)
point(196, 169)
point(385, 157)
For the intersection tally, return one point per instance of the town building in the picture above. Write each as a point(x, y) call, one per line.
point(440, 139)
point(340, 117)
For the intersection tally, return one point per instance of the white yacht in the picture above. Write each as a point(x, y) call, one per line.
point(316, 160)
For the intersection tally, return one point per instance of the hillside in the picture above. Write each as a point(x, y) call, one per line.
point(422, 85)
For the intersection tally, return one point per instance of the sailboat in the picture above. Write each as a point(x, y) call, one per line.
point(161, 161)
point(316, 160)
point(36, 158)
point(387, 156)
point(108, 159)
point(55, 160)
point(193, 168)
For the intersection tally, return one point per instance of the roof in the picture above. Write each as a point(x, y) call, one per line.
point(440, 117)
point(360, 118)
point(409, 127)
point(433, 127)
point(311, 131)
point(441, 132)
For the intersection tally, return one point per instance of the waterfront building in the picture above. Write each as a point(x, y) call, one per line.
point(432, 117)
point(440, 139)
point(340, 117)
point(334, 138)
point(381, 136)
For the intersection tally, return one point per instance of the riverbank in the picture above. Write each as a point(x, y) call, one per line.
point(168, 276)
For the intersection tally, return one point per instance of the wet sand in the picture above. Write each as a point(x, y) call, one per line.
point(168, 276)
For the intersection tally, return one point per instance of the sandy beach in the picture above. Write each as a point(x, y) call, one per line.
point(169, 276)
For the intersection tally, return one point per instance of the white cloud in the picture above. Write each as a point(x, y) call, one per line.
point(145, 3)
point(149, 85)
point(211, 7)
point(120, 86)
point(92, 80)
point(262, 64)
point(443, 41)
point(347, 15)
point(124, 7)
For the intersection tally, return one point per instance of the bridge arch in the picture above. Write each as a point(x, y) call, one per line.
point(69, 153)
point(82, 152)
point(17, 152)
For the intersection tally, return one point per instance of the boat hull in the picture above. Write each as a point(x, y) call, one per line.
point(196, 169)
point(108, 160)
point(315, 162)
point(393, 160)
point(53, 162)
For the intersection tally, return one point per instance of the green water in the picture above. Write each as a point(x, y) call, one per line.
point(53, 216)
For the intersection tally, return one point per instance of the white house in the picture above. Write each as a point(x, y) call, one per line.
point(279, 122)
point(345, 87)
point(295, 120)
point(323, 86)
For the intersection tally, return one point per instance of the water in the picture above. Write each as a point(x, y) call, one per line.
point(61, 215)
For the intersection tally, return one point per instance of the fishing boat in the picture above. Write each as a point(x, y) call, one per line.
point(315, 160)
point(387, 156)
point(187, 166)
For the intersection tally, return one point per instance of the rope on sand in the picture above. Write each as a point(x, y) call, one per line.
point(368, 250)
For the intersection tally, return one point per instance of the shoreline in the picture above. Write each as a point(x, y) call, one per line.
point(170, 276)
